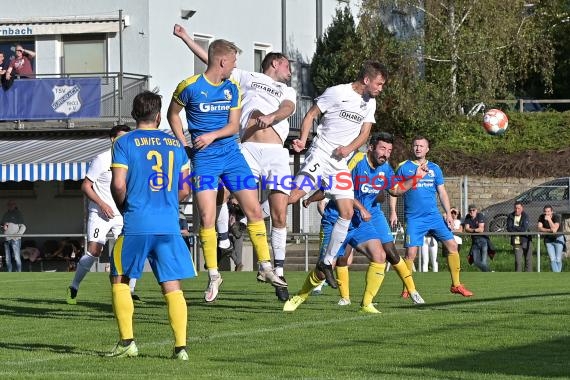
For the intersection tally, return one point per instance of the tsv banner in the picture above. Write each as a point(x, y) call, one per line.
point(47, 99)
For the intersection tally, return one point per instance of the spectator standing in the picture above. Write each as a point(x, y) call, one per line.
point(550, 222)
point(3, 67)
point(428, 252)
point(21, 65)
point(13, 224)
point(518, 221)
point(475, 223)
point(456, 227)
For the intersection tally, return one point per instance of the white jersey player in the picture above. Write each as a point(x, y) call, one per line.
point(103, 215)
point(347, 116)
point(266, 105)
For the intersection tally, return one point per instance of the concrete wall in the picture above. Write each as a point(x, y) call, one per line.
point(485, 191)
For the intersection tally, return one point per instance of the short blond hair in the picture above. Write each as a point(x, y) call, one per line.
point(220, 48)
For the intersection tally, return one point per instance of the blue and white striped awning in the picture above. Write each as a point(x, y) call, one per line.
point(60, 171)
point(48, 158)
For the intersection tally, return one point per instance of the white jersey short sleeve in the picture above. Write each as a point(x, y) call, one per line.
point(344, 112)
point(100, 174)
point(263, 93)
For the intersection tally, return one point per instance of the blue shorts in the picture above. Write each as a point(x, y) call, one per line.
point(383, 231)
point(168, 256)
point(358, 235)
point(417, 228)
point(224, 163)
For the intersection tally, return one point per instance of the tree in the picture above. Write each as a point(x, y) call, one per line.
point(471, 50)
point(335, 60)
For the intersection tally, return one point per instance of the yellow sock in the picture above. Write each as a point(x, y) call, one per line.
point(405, 275)
point(258, 236)
point(454, 264)
point(343, 279)
point(177, 315)
point(124, 309)
point(311, 281)
point(410, 265)
point(374, 278)
point(209, 242)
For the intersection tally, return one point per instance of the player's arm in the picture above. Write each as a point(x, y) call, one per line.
point(286, 109)
point(227, 130)
point(184, 189)
point(344, 151)
point(119, 186)
point(393, 201)
point(173, 117)
point(181, 33)
point(87, 189)
point(312, 114)
point(364, 213)
point(317, 196)
point(444, 199)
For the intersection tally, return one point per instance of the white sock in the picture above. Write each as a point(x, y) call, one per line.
point(338, 235)
point(265, 210)
point(83, 267)
point(222, 226)
point(132, 284)
point(265, 265)
point(320, 286)
point(279, 245)
point(213, 272)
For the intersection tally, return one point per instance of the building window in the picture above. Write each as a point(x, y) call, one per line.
point(204, 42)
point(259, 52)
point(84, 54)
point(21, 189)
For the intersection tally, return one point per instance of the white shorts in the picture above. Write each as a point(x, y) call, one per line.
point(99, 226)
point(320, 170)
point(269, 164)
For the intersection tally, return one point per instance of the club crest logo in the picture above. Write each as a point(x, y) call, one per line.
point(66, 99)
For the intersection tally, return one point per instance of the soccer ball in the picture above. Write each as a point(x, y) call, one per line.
point(495, 122)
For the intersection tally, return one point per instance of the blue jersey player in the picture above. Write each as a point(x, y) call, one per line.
point(369, 232)
point(213, 108)
point(149, 169)
point(423, 185)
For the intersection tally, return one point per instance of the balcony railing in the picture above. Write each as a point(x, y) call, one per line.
point(114, 102)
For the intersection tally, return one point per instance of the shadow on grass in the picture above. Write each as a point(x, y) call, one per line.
point(542, 359)
point(474, 299)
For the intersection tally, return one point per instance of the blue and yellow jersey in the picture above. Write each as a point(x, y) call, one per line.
point(369, 182)
point(208, 105)
point(421, 199)
point(154, 161)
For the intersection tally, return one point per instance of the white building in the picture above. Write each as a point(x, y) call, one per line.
point(42, 162)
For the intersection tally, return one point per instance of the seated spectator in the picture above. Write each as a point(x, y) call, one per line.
point(518, 221)
point(237, 228)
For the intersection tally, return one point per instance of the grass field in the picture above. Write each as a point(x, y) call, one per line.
point(516, 326)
